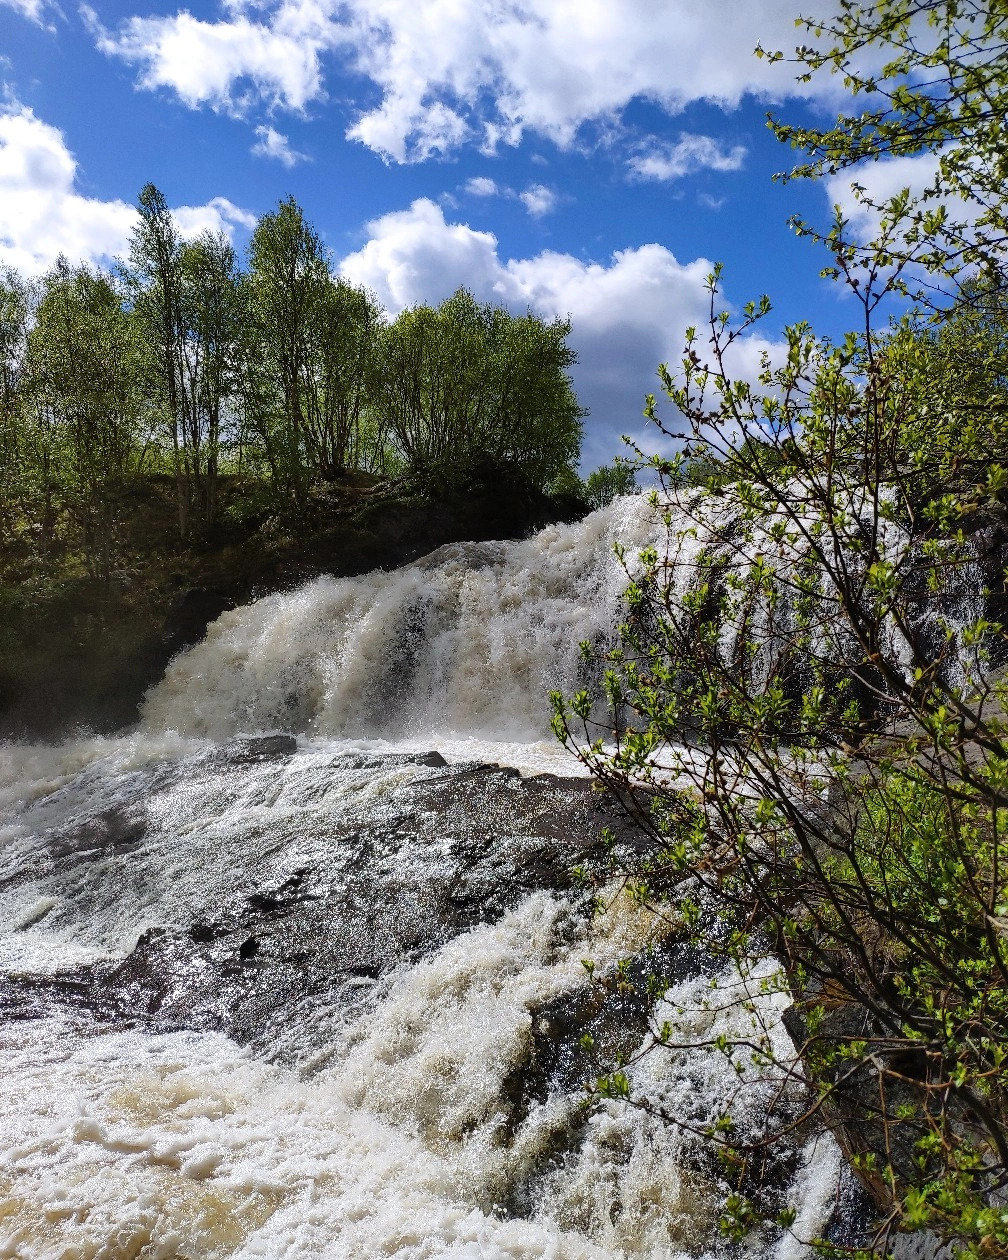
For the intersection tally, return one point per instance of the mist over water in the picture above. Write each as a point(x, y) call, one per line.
point(260, 999)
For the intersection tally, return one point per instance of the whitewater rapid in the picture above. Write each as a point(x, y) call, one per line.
point(322, 994)
point(465, 644)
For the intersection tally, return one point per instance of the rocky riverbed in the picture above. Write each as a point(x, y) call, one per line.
point(289, 998)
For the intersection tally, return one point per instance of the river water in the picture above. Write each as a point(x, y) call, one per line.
point(295, 969)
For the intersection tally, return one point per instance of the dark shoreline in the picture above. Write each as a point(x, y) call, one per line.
point(79, 655)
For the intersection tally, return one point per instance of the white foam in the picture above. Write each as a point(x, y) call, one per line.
point(528, 757)
point(465, 644)
point(119, 1145)
point(29, 771)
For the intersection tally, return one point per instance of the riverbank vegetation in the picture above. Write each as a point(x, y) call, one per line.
point(183, 426)
point(824, 627)
point(281, 376)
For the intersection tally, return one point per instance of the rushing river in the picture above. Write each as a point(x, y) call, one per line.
point(295, 969)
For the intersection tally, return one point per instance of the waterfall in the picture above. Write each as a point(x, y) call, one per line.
point(468, 641)
point(321, 993)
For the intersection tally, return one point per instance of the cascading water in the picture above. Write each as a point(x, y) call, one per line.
point(321, 993)
point(466, 643)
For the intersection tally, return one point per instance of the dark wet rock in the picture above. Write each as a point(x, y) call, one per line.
point(113, 830)
point(186, 621)
point(612, 1012)
point(579, 1036)
point(431, 759)
point(852, 1110)
point(36, 996)
point(880, 1114)
point(851, 1223)
point(289, 892)
point(455, 847)
point(113, 833)
point(261, 747)
point(922, 1245)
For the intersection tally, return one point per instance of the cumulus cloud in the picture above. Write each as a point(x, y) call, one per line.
point(453, 70)
point(274, 144)
point(227, 64)
point(437, 128)
point(629, 313)
point(481, 186)
point(42, 215)
point(550, 65)
point(538, 199)
point(660, 160)
point(217, 215)
point(415, 255)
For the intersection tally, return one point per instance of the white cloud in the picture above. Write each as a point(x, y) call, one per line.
point(661, 160)
point(629, 313)
point(453, 70)
point(30, 9)
point(538, 199)
point(481, 186)
point(551, 65)
point(437, 128)
point(882, 181)
point(42, 215)
point(218, 215)
point(227, 64)
point(414, 255)
point(274, 144)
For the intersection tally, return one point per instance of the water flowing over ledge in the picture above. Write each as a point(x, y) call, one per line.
point(467, 642)
point(302, 1003)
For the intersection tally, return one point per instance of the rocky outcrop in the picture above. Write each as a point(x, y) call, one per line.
point(333, 928)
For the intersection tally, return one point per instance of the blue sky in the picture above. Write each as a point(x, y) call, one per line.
point(589, 157)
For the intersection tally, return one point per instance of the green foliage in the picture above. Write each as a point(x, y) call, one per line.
point(567, 484)
point(182, 363)
point(610, 481)
point(186, 297)
point(209, 327)
point(15, 321)
point(844, 793)
point(153, 279)
point(954, 428)
point(83, 412)
point(473, 392)
point(308, 362)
